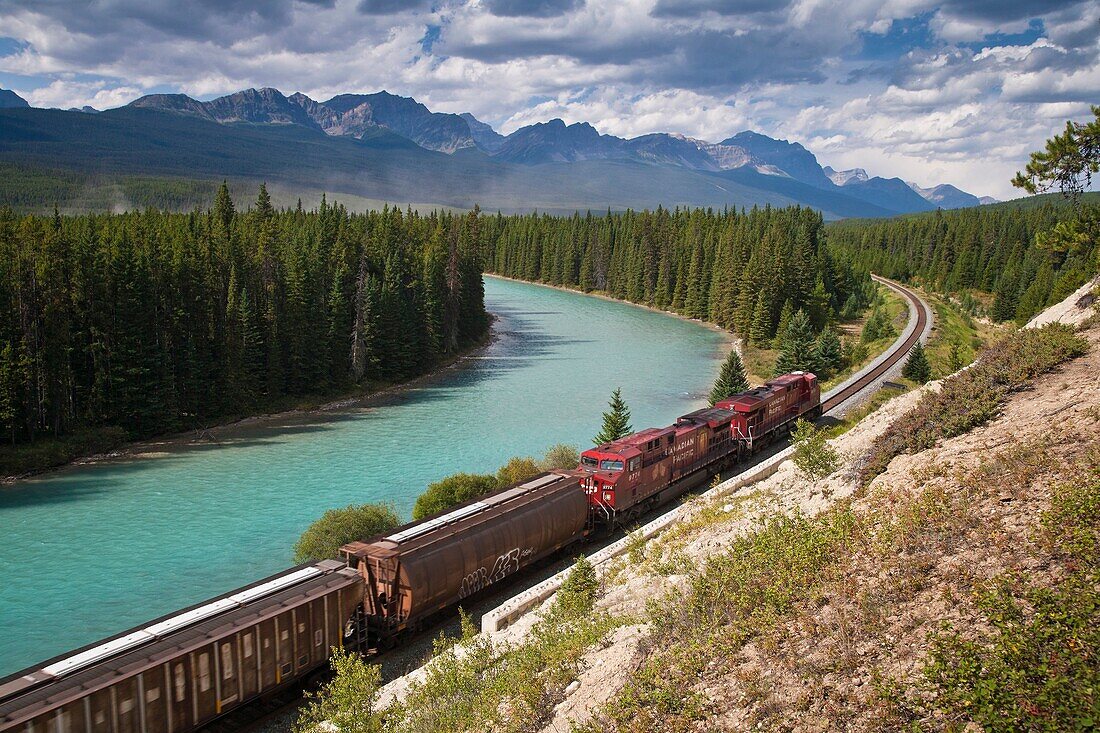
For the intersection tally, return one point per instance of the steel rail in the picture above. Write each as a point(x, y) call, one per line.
point(897, 355)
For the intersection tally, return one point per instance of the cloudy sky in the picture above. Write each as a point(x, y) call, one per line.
point(955, 91)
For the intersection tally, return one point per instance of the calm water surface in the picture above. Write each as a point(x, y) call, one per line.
point(89, 551)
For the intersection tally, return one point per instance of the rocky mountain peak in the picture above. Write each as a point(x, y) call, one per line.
point(11, 100)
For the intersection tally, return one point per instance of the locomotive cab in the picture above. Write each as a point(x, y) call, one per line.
point(604, 468)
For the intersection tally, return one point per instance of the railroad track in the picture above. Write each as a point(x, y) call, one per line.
point(899, 351)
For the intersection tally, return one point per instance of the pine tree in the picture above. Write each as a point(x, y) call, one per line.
point(616, 421)
point(223, 207)
point(828, 353)
point(785, 316)
point(263, 203)
point(916, 366)
point(796, 351)
point(955, 357)
point(731, 379)
point(761, 321)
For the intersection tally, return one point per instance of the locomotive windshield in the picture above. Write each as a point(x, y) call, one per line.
point(606, 465)
point(588, 461)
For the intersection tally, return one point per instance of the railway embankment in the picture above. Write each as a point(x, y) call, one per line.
point(953, 583)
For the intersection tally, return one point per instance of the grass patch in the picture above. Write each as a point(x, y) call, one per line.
point(956, 337)
point(974, 397)
point(733, 598)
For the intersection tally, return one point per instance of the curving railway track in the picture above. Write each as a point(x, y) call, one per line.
point(887, 361)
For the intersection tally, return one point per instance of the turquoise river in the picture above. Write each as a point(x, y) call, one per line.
point(91, 550)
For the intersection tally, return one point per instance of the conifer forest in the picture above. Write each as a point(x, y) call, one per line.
point(1001, 250)
point(152, 322)
point(740, 270)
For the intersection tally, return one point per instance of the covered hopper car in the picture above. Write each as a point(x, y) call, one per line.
point(435, 563)
point(182, 671)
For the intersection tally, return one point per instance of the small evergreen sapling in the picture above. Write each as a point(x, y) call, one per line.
point(616, 421)
point(731, 379)
point(917, 367)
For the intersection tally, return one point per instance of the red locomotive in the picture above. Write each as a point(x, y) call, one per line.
point(179, 673)
point(629, 476)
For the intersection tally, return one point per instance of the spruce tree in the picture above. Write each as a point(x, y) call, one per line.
point(828, 353)
point(223, 207)
point(731, 379)
point(796, 351)
point(761, 321)
point(263, 203)
point(916, 366)
point(616, 421)
point(785, 316)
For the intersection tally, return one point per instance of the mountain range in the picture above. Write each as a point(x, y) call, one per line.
point(384, 143)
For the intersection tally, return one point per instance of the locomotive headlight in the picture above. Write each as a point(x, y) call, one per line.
point(608, 496)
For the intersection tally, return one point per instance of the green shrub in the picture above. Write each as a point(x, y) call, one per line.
point(336, 527)
point(974, 397)
point(560, 456)
point(348, 702)
point(1037, 668)
point(577, 594)
point(516, 471)
point(812, 453)
point(1037, 672)
point(452, 491)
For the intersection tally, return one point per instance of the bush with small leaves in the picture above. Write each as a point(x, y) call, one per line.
point(812, 453)
point(337, 527)
point(560, 456)
point(452, 491)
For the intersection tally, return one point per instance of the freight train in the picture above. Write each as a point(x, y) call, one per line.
point(181, 672)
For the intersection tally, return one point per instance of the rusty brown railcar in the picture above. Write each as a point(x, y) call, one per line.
point(180, 672)
point(436, 563)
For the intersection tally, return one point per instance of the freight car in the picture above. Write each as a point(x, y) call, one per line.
point(180, 672)
point(632, 475)
point(433, 564)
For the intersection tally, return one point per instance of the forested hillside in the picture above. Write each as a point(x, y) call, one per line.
point(746, 271)
point(1004, 250)
point(152, 322)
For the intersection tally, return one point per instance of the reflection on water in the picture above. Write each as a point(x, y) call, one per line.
point(91, 550)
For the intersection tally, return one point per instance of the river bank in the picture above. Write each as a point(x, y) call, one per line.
point(105, 444)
